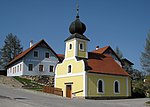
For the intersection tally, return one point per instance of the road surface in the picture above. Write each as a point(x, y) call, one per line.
point(13, 97)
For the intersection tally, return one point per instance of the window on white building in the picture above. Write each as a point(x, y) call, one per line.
point(30, 67)
point(20, 67)
point(47, 55)
point(15, 69)
point(41, 68)
point(36, 54)
point(10, 70)
point(51, 68)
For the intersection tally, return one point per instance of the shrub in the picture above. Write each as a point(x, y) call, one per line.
point(138, 93)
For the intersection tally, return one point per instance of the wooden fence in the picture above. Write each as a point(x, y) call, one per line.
point(3, 72)
point(53, 90)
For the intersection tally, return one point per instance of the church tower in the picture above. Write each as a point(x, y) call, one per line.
point(76, 44)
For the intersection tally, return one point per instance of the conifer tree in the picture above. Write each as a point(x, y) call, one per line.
point(12, 47)
point(118, 52)
point(145, 57)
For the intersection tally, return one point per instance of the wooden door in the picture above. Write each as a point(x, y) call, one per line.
point(68, 91)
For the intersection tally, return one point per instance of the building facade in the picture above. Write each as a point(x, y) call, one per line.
point(90, 74)
point(39, 59)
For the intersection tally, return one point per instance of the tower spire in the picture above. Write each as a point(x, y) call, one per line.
point(77, 9)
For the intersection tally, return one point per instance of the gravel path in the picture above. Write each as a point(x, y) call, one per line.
point(16, 97)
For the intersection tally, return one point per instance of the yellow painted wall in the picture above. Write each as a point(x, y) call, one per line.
point(77, 67)
point(70, 53)
point(77, 85)
point(129, 85)
point(82, 53)
point(108, 85)
point(76, 51)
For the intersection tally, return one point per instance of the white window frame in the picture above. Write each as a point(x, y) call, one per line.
point(82, 46)
point(102, 86)
point(38, 53)
point(118, 87)
point(11, 70)
point(17, 68)
point(32, 67)
point(20, 67)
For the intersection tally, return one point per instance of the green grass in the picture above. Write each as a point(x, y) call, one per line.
point(29, 84)
point(148, 102)
point(23, 80)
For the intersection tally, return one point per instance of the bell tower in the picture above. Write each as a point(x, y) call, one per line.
point(76, 43)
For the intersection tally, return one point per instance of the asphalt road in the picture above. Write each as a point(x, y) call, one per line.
point(12, 97)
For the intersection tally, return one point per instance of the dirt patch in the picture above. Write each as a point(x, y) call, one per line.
point(10, 81)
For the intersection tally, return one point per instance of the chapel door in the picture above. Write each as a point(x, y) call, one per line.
point(68, 91)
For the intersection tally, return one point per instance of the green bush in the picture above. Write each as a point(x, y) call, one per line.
point(138, 93)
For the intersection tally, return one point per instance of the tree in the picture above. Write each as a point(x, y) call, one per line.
point(11, 49)
point(137, 75)
point(118, 52)
point(1, 61)
point(145, 56)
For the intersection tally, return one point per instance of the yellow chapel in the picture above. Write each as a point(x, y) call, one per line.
point(96, 74)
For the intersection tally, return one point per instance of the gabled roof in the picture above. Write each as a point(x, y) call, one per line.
point(61, 56)
point(126, 60)
point(21, 55)
point(101, 63)
point(104, 64)
point(102, 50)
point(106, 49)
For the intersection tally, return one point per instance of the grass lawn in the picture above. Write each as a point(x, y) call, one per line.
point(148, 102)
point(29, 84)
point(23, 80)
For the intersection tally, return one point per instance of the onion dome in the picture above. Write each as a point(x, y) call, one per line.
point(77, 26)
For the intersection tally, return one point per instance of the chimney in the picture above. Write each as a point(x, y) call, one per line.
point(31, 43)
point(97, 47)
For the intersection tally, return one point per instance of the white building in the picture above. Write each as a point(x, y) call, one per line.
point(39, 59)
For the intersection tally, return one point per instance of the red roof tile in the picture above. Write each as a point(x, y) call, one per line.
point(61, 56)
point(29, 49)
point(107, 48)
point(101, 50)
point(105, 64)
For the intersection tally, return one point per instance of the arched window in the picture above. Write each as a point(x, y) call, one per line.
point(116, 86)
point(100, 86)
point(69, 69)
point(70, 46)
point(81, 46)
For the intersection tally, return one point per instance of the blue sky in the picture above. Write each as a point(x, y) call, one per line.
point(122, 23)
